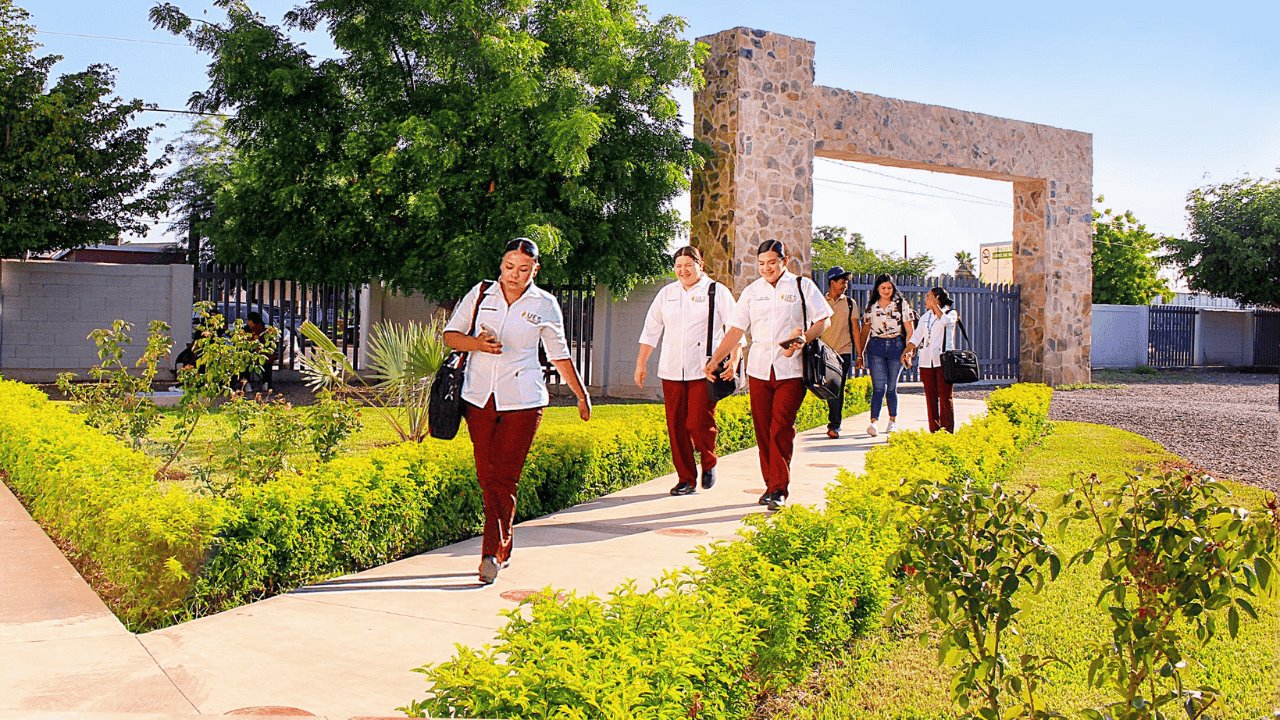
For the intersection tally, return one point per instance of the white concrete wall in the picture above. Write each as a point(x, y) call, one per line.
point(617, 339)
point(1224, 337)
point(1119, 336)
point(48, 309)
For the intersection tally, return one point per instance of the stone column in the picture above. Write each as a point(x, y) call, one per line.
point(754, 114)
point(1052, 262)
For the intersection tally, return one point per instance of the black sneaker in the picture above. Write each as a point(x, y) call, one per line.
point(776, 501)
point(708, 478)
point(764, 499)
point(683, 489)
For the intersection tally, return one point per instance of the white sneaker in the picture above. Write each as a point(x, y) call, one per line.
point(892, 426)
point(871, 429)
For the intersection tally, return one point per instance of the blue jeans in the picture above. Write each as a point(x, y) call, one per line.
point(884, 360)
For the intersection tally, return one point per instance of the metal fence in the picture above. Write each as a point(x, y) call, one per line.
point(991, 315)
point(1171, 336)
point(1266, 338)
point(578, 304)
point(285, 305)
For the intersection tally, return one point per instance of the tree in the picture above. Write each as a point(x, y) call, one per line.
point(1233, 249)
point(443, 129)
point(1125, 266)
point(204, 156)
point(833, 245)
point(964, 265)
point(72, 169)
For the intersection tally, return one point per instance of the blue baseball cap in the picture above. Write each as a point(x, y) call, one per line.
point(836, 273)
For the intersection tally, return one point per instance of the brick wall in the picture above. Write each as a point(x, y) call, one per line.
point(47, 310)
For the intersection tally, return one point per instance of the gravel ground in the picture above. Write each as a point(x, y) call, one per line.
point(1226, 422)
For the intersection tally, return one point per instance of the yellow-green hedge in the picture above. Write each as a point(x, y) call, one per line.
point(756, 617)
point(174, 555)
point(148, 539)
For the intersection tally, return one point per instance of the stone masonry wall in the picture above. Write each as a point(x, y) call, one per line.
point(766, 121)
point(754, 113)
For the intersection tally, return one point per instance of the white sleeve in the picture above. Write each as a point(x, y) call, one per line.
point(653, 322)
point(552, 333)
point(725, 307)
point(741, 315)
point(917, 337)
point(815, 301)
point(460, 321)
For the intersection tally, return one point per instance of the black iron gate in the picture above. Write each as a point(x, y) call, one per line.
point(1266, 338)
point(285, 305)
point(578, 305)
point(1171, 336)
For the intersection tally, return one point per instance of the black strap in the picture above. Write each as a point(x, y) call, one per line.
point(960, 325)
point(853, 344)
point(804, 311)
point(711, 314)
point(475, 313)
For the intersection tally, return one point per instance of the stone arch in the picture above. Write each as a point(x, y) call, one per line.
point(765, 121)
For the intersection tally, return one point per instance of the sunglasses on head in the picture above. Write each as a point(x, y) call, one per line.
point(524, 245)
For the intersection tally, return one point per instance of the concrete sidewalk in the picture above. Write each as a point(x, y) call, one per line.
point(347, 647)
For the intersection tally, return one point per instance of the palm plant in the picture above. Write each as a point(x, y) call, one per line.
point(964, 266)
point(403, 360)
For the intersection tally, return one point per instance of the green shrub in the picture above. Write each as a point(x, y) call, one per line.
point(814, 580)
point(1027, 407)
point(148, 539)
point(804, 583)
point(668, 653)
point(174, 554)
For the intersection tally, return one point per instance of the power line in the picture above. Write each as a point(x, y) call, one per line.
point(905, 180)
point(184, 112)
point(109, 37)
point(992, 203)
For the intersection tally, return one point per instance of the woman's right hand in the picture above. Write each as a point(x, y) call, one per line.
point(642, 373)
point(488, 343)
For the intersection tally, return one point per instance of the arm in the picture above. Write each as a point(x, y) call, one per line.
point(472, 343)
point(653, 327)
point(456, 331)
point(642, 363)
point(731, 343)
point(570, 374)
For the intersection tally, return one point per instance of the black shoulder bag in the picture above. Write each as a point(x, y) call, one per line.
point(959, 366)
point(823, 372)
point(444, 407)
point(719, 389)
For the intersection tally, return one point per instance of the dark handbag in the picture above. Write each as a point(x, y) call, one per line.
point(719, 389)
point(959, 366)
point(444, 406)
point(822, 369)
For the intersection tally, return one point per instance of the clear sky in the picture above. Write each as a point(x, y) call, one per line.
point(1176, 94)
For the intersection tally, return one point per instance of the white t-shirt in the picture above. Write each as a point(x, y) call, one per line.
point(771, 313)
point(513, 377)
point(931, 332)
point(679, 317)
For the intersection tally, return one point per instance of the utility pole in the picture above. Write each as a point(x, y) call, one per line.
point(904, 247)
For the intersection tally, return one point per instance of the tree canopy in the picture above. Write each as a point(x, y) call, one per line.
point(1233, 248)
point(833, 245)
point(1125, 264)
point(443, 129)
point(72, 167)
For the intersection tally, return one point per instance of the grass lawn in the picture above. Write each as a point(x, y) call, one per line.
point(892, 675)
